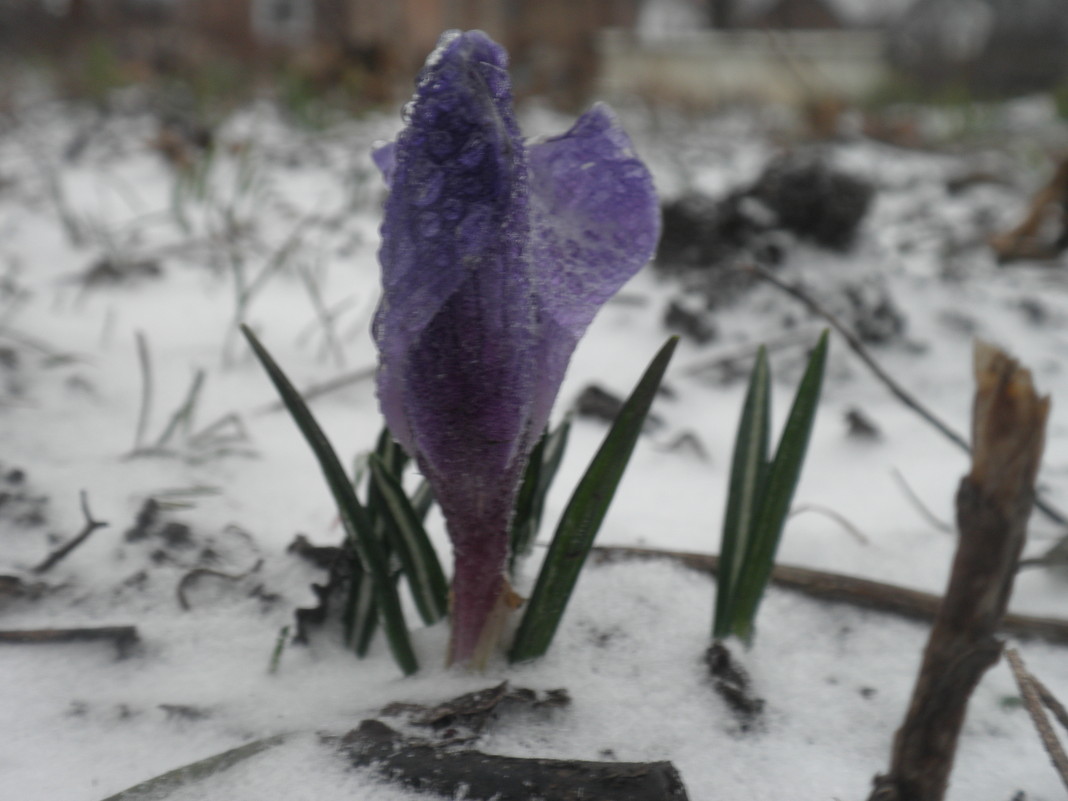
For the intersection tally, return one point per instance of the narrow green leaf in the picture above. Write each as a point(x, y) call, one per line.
point(367, 618)
point(551, 459)
point(749, 468)
point(418, 557)
point(583, 516)
point(422, 500)
point(783, 475)
point(161, 787)
point(353, 514)
point(523, 530)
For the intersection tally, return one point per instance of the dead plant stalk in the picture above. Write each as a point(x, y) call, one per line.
point(994, 502)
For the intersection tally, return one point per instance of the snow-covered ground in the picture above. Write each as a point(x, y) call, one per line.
point(289, 218)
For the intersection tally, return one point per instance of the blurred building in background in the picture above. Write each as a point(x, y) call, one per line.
point(690, 52)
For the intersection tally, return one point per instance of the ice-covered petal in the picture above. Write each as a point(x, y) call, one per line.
point(456, 326)
point(595, 223)
point(385, 158)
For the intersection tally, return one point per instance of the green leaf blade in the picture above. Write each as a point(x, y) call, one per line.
point(411, 543)
point(749, 468)
point(782, 480)
point(583, 516)
point(353, 514)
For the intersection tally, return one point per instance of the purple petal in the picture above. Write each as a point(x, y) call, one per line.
point(385, 158)
point(455, 327)
point(596, 221)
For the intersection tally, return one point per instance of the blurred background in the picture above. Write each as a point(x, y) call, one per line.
point(818, 56)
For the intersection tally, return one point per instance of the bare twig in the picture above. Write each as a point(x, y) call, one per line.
point(124, 637)
point(921, 507)
point(60, 553)
point(326, 387)
point(993, 505)
point(838, 588)
point(1033, 703)
point(840, 519)
point(330, 339)
point(746, 353)
point(145, 360)
point(197, 572)
point(889, 382)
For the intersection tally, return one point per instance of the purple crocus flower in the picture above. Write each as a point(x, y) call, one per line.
point(496, 255)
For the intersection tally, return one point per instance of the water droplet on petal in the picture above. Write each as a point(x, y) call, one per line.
point(429, 224)
point(473, 151)
point(440, 144)
point(427, 188)
point(452, 209)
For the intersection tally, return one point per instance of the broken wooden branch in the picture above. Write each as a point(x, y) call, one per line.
point(993, 505)
point(476, 776)
point(61, 553)
point(839, 588)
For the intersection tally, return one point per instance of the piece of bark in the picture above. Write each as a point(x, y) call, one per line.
point(839, 588)
point(124, 637)
point(477, 776)
point(993, 504)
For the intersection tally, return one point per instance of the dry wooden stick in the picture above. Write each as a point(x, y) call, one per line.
point(994, 502)
point(1032, 698)
point(889, 382)
point(60, 553)
point(838, 588)
point(124, 637)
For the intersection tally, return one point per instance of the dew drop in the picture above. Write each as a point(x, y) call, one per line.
point(429, 224)
point(427, 188)
point(473, 151)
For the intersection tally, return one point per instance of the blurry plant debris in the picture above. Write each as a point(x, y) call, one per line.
point(20, 505)
point(473, 711)
point(688, 442)
point(448, 772)
point(860, 426)
point(322, 556)
point(692, 318)
point(598, 403)
point(1043, 232)
point(112, 270)
point(799, 195)
point(873, 314)
point(732, 683)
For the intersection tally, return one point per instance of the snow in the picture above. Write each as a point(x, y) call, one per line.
point(81, 724)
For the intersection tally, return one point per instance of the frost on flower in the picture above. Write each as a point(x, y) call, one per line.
point(496, 255)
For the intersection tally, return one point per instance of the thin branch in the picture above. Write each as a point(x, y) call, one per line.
point(61, 553)
point(197, 572)
point(324, 388)
point(926, 513)
point(838, 518)
point(145, 360)
point(838, 588)
point(1033, 703)
point(889, 382)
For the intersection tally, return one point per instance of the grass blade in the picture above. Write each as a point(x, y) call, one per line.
point(583, 516)
point(523, 526)
point(783, 475)
point(551, 459)
point(422, 499)
point(749, 469)
point(418, 557)
point(353, 515)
